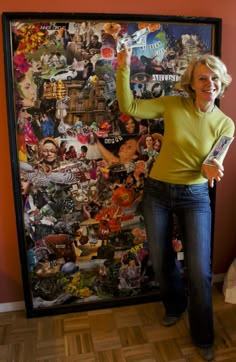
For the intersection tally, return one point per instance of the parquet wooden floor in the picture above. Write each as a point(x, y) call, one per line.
point(121, 334)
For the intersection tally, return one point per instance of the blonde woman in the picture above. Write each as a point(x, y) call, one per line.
point(178, 183)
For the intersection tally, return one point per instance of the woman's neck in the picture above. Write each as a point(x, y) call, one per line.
point(204, 107)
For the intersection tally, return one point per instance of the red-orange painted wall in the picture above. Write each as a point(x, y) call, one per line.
point(225, 228)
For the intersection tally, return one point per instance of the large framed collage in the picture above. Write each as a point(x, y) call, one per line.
point(78, 162)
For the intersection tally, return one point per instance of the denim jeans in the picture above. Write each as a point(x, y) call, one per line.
point(191, 205)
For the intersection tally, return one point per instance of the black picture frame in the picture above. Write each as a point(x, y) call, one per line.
point(81, 235)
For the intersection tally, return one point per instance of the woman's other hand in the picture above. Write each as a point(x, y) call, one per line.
point(213, 172)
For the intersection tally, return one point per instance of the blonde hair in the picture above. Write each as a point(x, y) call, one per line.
point(212, 62)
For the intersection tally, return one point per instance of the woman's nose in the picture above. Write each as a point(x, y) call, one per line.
point(210, 81)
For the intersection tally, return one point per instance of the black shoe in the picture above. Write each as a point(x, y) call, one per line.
point(169, 320)
point(207, 353)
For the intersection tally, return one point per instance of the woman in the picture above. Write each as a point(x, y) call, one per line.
point(48, 153)
point(128, 126)
point(26, 89)
point(158, 139)
point(178, 183)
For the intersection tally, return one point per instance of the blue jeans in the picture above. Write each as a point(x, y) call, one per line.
point(191, 205)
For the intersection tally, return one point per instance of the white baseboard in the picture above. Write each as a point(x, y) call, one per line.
point(11, 307)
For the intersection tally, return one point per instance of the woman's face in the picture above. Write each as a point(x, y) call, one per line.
point(128, 149)
point(206, 84)
point(23, 114)
point(149, 142)
point(25, 184)
point(130, 126)
point(157, 145)
point(156, 90)
point(28, 91)
point(49, 152)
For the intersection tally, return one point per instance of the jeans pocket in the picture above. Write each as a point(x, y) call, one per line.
point(199, 189)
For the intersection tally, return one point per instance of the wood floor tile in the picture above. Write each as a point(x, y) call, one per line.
point(127, 316)
point(114, 355)
point(169, 350)
point(104, 343)
point(3, 333)
point(160, 333)
point(150, 313)
point(48, 327)
point(20, 330)
point(52, 348)
point(4, 353)
point(76, 324)
point(78, 344)
point(133, 335)
point(143, 353)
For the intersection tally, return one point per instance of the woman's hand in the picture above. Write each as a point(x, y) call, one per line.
point(213, 172)
point(124, 57)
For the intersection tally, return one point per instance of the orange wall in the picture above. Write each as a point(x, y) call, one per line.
point(225, 233)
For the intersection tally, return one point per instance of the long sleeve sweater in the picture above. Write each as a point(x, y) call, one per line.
point(189, 135)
